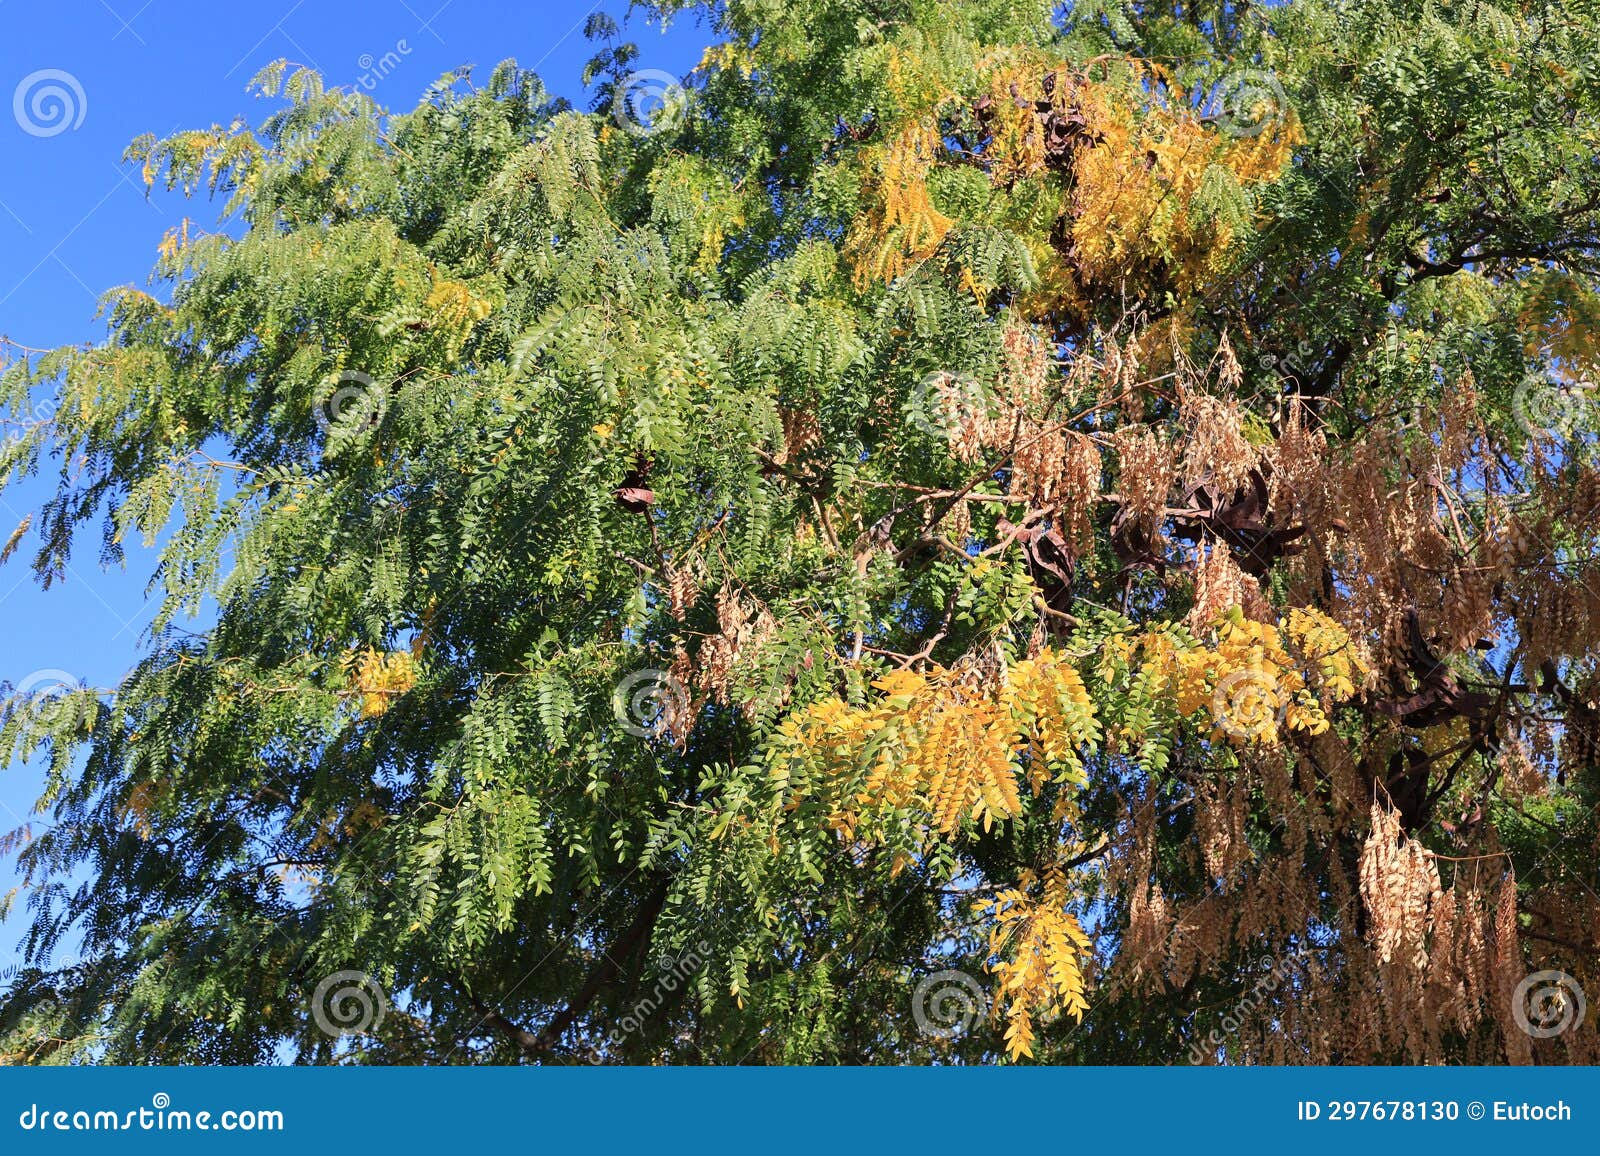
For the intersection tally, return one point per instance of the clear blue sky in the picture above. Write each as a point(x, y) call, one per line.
point(75, 221)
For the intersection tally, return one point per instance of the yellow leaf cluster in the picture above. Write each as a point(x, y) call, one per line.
point(1039, 943)
point(1053, 716)
point(453, 309)
point(1016, 138)
point(1325, 644)
point(1559, 318)
point(175, 241)
point(942, 748)
point(945, 747)
point(1254, 680)
point(1135, 190)
point(900, 225)
point(729, 56)
point(380, 677)
point(1131, 181)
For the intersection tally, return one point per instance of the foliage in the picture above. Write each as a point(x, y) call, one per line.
point(1092, 501)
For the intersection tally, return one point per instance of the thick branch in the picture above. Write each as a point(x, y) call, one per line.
point(604, 973)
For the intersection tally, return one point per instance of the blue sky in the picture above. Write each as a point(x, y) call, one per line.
point(79, 79)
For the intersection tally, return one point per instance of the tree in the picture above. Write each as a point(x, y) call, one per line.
point(955, 533)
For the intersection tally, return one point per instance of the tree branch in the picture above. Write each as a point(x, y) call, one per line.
point(606, 972)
